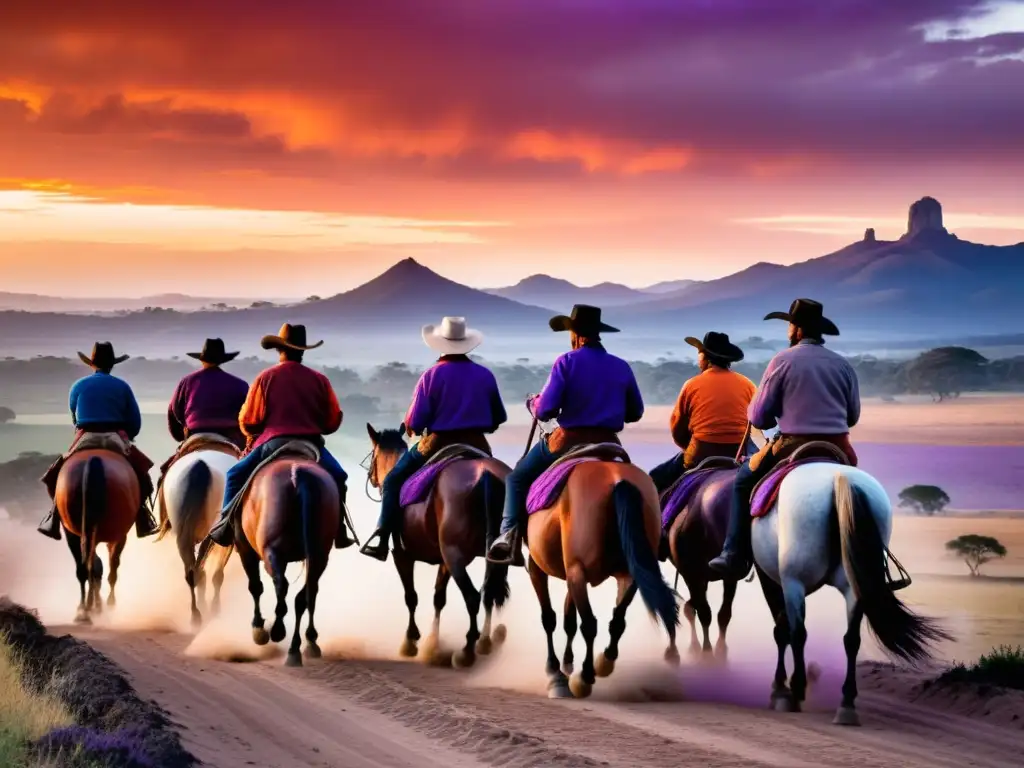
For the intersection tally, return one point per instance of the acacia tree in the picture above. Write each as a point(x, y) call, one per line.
point(945, 372)
point(6, 414)
point(924, 499)
point(976, 550)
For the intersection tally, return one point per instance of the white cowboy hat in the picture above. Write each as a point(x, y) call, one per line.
point(452, 337)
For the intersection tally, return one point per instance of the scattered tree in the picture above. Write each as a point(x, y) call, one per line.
point(976, 550)
point(314, 297)
point(6, 414)
point(945, 372)
point(924, 499)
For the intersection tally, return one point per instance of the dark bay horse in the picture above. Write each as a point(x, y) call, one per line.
point(606, 523)
point(97, 498)
point(695, 537)
point(290, 514)
point(450, 530)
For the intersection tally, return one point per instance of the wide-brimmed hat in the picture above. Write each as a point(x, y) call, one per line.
point(717, 346)
point(808, 315)
point(289, 337)
point(102, 356)
point(452, 337)
point(584, 320)
point(213, 353)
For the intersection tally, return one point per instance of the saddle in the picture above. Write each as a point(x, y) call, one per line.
point(292, 448)
point(418, 488)
point(678, 495)
point(200, 441)
point(766, 492)
point(546, 489)
point(100, 441)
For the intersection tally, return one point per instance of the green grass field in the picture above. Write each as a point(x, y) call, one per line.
point(24, 716)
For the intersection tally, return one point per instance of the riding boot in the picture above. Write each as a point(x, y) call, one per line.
point(50, 527)
point(734, 562)
point(378, 551)
point(145, 525)
point(223, 532)
point(342, 540)
point(507, 549)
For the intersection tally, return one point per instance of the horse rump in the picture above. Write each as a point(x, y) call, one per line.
point(902, 633)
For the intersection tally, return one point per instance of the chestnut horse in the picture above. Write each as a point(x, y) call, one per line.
point(606, 523)
point(450, 530)
point(97, 498)
point(290, 514)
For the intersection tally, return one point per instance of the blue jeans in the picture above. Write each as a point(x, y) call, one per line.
point(737, 541)
point(391, 491)
point(517, 484)
point(668, 472)
point(240, 473)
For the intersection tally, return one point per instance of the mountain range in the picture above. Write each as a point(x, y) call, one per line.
point(926, 284)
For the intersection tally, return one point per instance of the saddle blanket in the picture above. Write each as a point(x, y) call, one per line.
point(548, 487)
point(418, 487)
point(117, 442)
point(681, 493)
point(766, 492)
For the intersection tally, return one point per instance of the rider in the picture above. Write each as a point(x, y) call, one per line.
point(592, 393)
point(812, 394)
point(455, 402)
point(288, 401)
point(208, 400)
point(710, 417)
point(102, 402)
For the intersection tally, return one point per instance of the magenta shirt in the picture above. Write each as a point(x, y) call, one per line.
point(209, 398)
point(456, 394)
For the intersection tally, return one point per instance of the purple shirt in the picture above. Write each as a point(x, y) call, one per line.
point(455, 394)
point(807, 390)
point(209, 398)
point(590, 388)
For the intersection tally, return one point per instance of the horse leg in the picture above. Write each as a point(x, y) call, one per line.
point(847, 712)
point(114, 549)
point(440, 600)
point(467, 656)
point(616, 627)
point(277, 629)
point(95, 577)
point(781, 699)
point(495, 590)
point(294, 657)
point(795, 594)
point(701, 606)
point(569, 624)
point(75, 545)
point(251, 564)
point(218, 580)
point(558, 683)
point(582, 684)
point(724, 617)
point(312, 589)
point(201, 586)
point(404, 565)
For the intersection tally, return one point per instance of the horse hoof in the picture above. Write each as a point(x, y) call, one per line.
point(313, 651)
point(260, 636)
point(558, 688)
point(277, 632)
point(784, 703)
point(463, 660)
point(484, 646)
point(408, 649)
point(293, 659)
point(579, 687)
point(567, 668)
point(672, 655)
point(499, 634)
point(604, 666)
point(82, 619)
point(111, 602)
point(846, 716)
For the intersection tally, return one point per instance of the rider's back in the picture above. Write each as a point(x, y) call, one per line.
point(290, 400)
point(101, 398)
point(456, 395)
point(590, 388)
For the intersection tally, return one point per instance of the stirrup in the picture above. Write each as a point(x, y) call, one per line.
point(903, 579)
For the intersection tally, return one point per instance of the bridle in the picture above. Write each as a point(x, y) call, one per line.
point(369, 463)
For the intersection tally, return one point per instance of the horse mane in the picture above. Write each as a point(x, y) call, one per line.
point(391, 441)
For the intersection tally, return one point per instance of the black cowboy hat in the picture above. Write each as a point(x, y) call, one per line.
point(584, 320)
point(717, 346)
point(213, 353)
point(102, 356)
point(289, 337)
point(807, 315)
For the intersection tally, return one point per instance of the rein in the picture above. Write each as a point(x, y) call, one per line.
point(369, 463)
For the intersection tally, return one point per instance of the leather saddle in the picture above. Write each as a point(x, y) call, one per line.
point(600, 451)
point(100, 441)
point(204, 441)
point(764, 494)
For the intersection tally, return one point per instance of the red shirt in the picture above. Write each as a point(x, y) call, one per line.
point(289, 400)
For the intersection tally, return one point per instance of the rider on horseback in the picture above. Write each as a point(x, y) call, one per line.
point(456, 402)
point(286, 402)
point(592, 393)
point(812, 394)
point(710, 417)
point(101, 403)
point(210, 399)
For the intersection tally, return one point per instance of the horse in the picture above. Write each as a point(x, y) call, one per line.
point(290, 513)
point(191, 496)
point(695, 537)
point(97, 497)
point(450, 530)
point(605, 523)
point(831, 524)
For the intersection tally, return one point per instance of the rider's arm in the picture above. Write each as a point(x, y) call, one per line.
point(634, 401)
point(679, 424)
point(853, 399)
point(254, 411)
point(498, 414)
point(333, 415)
point(420, 415)
point(133, 420)
point(548, 404)
point(73, 403)
point(766, 407)
point(176, 414)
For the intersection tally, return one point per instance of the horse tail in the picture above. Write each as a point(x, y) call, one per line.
point(491, 494)
point(640, 557)
point(307, 491)
point(198, 480)
point(94, 500)
point(902, 633)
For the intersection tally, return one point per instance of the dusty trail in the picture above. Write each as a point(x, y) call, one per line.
point(378, 713)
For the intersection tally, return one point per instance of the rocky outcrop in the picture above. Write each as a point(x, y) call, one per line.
point(925, 216)
point(869, 235)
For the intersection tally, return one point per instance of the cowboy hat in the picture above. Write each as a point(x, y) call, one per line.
point(213, 353)
point(452, 337)
point(717, 346)
point(289, 337)
point(806, 314)
point(584, 320)
point(102, 356)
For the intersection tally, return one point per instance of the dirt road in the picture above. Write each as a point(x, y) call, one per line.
point(364, 714)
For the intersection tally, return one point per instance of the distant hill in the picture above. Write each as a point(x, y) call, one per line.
point(670, 286)
point(560, 295)
point(31, 302)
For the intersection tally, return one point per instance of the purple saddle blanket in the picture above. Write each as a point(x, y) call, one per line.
point(548, 487)
point(418, 487)
point(679, 495)
point(766, 492)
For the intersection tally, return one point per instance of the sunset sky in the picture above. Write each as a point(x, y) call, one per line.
point(256, 147)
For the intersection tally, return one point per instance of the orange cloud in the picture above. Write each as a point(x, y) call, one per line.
point(594, 153)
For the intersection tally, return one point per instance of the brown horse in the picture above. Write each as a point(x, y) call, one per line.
point(606, 523)
point(449, 530)
point(98, 498)
point(290, 514)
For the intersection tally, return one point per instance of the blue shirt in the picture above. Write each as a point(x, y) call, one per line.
point(104, 399)
point(590, 388)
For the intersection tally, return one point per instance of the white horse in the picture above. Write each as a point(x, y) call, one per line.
point(192, 494)
point(831, 525)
